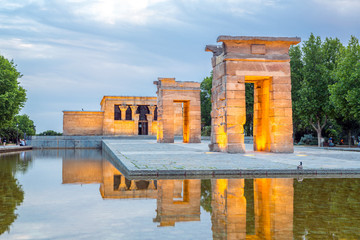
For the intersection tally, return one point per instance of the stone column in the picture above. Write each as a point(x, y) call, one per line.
point(152, 111)
point(123, 109)
point(150, 118)
point(133, 112)
point(167, 120)
point(151, 185)
point(274, 208)
point(122, 186)
point(280, 118)
point(228, 209)
point(133, 185)
point(135, 118)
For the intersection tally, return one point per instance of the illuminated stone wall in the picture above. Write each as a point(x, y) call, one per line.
point(170, 94)
point(81, 171)
point(126, 127)
point(228, 209)
point(82, 123)
point(265, 62)
point(273, 209)
point(102, 122)
point(178, 201)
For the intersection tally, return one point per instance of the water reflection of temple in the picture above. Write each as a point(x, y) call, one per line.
point(112, 183)
point(178, 201)
point(269, 217)
point(241, 209)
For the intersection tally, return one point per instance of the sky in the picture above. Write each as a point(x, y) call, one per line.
point(73, 52)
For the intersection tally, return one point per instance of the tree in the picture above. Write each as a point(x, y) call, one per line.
point(50, 133)
point(249, 100)
point(26, 125)
point(205, 98)
point(345, 91)
point(313, 106)
point(296, 66)
point(12, 95)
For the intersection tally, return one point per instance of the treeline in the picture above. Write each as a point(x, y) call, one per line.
point(325, 78)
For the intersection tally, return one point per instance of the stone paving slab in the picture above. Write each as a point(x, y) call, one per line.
point(148, 158)
point(14, 148)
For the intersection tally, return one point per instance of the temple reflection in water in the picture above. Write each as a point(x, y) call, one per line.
point(241, 209)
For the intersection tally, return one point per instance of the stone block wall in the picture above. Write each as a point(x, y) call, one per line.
point(265, 62)
point(126, 127)
point(170, 94)
point(82, 123)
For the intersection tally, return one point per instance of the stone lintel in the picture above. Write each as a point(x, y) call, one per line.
point(82, 112)
point(289, 40)
point(171, 84)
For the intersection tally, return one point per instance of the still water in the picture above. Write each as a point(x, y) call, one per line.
point(71, 194)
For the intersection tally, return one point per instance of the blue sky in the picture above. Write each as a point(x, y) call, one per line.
point(73, 52)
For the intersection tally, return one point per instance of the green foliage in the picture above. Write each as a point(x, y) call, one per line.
point(11, 193)
point(50, 133)
point(345, 93)
point(205, 200)
point(26, 125)
point(345, 90)
point(206, 131)
point(13, 132)
point(311, 71)
point(327, 208)
point(12, 95)
point(296, 66)
point(205, 98)
point(249, 99)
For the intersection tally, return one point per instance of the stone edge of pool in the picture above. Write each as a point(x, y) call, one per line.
point(110, 155)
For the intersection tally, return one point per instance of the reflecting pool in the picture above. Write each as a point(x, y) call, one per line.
point(76, 194)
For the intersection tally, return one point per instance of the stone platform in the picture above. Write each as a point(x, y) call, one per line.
point(145, 159)
point(14, 148)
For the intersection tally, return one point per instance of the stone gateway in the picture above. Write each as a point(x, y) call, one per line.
point(265, 62)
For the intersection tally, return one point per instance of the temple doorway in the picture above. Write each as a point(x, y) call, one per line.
point(185, 120)
point(143, 128)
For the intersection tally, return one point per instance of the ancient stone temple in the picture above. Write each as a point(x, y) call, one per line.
point(119, 115)
point(173, 93)
point(265, 62)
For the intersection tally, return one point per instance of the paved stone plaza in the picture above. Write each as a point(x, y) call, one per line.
point(146, 157)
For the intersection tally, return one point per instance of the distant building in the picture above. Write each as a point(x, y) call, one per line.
point(119, 115)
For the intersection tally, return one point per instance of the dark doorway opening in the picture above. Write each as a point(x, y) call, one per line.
point(143, 123)
point(143, 127)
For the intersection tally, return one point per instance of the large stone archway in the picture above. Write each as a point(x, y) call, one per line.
point(265, 62)
point(171, 93)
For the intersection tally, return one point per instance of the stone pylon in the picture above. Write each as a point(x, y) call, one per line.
point(265, 62)
point(170, 93)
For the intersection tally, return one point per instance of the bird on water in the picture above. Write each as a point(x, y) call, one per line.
point(300, 167)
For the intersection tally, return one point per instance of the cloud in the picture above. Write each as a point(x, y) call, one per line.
point(342, 7)
point(139, 12)
point(22, 49)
